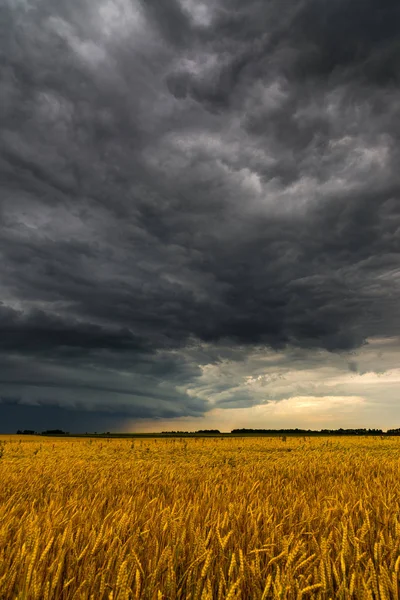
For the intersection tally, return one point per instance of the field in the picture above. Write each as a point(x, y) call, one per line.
point(200, 518)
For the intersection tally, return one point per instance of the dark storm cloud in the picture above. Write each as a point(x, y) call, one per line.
point(367, 43)
point(15, 414)
point(182, 172)
point(24, 330)
point(172, 22)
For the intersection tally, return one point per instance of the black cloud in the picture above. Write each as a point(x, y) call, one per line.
point(165, 182)
point(43, 416)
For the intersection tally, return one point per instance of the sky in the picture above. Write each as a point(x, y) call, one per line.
point(199, 214)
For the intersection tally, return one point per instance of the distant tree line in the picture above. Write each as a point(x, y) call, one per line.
point(26, 432)
point(393, 431)
point(314, 432)
point(203, 431)
point(47, 432)
point(242, 431)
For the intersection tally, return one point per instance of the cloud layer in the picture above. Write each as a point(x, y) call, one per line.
point(188, 175)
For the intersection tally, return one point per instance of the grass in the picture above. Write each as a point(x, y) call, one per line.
point(199, 518)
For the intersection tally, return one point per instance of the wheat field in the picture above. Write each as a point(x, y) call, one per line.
point(199, 519)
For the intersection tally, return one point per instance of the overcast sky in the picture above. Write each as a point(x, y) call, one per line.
point(199, 214)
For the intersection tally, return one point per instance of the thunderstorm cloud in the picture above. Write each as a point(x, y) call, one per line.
point(199, 212)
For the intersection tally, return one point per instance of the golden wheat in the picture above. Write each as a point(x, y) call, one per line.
point(199, 519)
